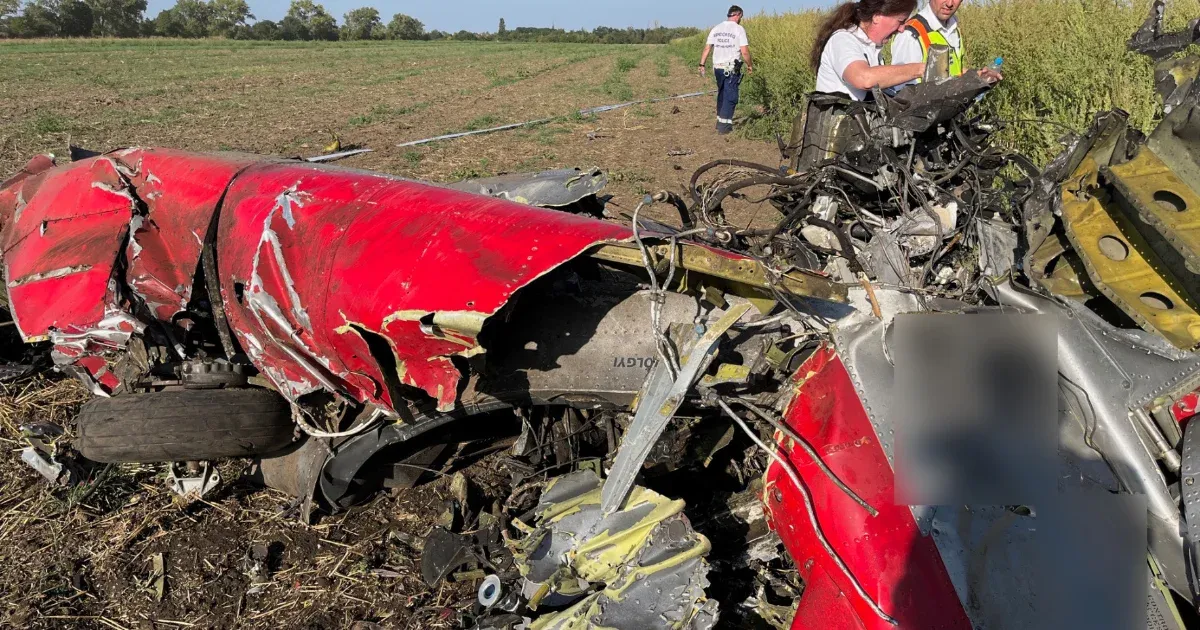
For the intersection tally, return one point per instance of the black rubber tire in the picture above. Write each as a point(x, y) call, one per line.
point(184, 425)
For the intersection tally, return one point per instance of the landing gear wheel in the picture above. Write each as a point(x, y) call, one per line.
point(187, 425)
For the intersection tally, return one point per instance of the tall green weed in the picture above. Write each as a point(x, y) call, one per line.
point(1064, 60)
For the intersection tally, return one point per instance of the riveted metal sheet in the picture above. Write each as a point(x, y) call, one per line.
point(859, 340)
point(1163, 200)
point(1122, 265)
point(1191, 491)
point(1156, 372)
point(1110, 372)
point(893, 561)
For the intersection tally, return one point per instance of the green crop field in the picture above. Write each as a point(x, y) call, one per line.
point(1064, 61)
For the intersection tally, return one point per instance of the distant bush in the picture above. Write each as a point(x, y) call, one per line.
point(405, 27)
point(1064, 60)
point(363, 23)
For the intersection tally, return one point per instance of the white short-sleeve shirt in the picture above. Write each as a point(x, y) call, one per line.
point(844, 48)
point(727, 39)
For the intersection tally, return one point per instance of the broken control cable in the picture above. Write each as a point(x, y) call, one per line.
point(812, 453)
point(808, 506)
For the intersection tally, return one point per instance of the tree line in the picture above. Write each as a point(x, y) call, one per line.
point(305, 21)
point(600, 35)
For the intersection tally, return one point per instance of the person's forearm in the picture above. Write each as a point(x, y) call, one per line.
point(704, 55)
point(866, 78)
point(746, 57)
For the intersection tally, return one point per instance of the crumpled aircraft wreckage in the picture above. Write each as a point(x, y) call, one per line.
point(702, 424)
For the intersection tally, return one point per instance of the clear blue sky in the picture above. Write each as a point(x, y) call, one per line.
point(484, 15)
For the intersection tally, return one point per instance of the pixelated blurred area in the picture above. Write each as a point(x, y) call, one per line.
point(977, 401)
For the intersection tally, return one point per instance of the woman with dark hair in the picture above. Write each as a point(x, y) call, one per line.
point(848, 53)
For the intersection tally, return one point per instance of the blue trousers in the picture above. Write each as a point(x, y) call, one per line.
point(728, 90)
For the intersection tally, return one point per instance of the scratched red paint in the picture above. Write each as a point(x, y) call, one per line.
point(1186, 409)
point(69, 231)
point(371, 253)
point(354, 254)
point(314, 260)
point(181, 192)
point(897, 566)
point(9, 189)
point(98, 368)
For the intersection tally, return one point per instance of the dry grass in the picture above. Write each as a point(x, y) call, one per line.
point(82, 557)
point(40, 399)
point(288, 98)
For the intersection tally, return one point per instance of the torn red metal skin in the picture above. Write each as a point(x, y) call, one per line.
point(314, 262)
point(87, 244)
point(11, 190)
point(1186, 409)
point(896, 565)
point(61, 242)
point(180, 192)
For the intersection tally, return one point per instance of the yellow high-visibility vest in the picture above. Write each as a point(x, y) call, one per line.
point(928, 37)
